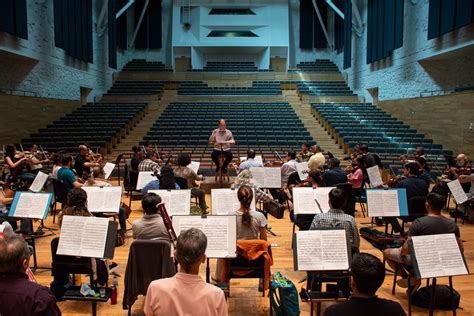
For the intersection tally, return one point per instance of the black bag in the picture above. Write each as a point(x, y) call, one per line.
point(442, 299)
point(274, 208)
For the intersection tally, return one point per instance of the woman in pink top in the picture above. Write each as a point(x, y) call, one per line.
point(357, 176)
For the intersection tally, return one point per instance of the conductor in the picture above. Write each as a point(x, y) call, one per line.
point(221, 138)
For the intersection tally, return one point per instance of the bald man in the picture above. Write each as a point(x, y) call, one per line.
point(20, 296)
point(82, 165)
point(221, 138)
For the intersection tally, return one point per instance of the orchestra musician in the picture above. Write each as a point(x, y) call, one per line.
point(370, 159)
point(304, 154)
point(183, 171)
point(221, 138)
point(67, 175)
point(150, 163)
point(14, 164)
point(37, 160)
point(317, 159)
point(424, 169)
point(82, 162)
point(419, 152)
point(356, 177)
point(250, 162)
point(287, 169)
point(335, 175)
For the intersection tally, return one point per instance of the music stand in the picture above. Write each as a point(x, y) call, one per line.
point(117, 163)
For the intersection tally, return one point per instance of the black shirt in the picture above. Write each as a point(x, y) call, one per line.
point(373, 306)
point(414, 186)
point(79, 162)
point(335, 176)
point(134, 163)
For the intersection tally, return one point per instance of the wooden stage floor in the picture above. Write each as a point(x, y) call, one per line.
point(245, 299)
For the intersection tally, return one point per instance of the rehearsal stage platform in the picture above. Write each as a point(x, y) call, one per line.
point(245, 299)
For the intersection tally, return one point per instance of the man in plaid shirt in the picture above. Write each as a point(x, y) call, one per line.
point(336, 218)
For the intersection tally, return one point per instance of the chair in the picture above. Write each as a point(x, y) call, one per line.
point(142, 268)
point(182, 182)
point(60, 195)
point(62, 266)
point(241, 267)
point(416, 209)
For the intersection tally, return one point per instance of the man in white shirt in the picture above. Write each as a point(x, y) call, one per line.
point(221, 138)
point(186, 293)
point(250, 162)
point(317, 160)
point(287, 169)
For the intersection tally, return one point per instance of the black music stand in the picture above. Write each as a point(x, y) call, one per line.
point(117, 163)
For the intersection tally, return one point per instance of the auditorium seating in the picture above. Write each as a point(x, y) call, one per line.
point(147, 87)
point(255, 89)
point(265, 127)
point(144, 65)
point(320, 65)
point(230, 66)
point(100, 125)
point(354, 123)
point(308, 87)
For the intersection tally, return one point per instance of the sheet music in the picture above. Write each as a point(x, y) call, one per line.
point(108, 168)
point(39, 182)
point(438, 256)
point(265, 177)
point(457, 191)
point(83, 236)
point(194, 166)
point(219, 230)
point(257, 159)
point(374, 176)
point(225, 201)
point(302, 168)
point(144, 177)
point(103, 199)
point(30, 205)
point(383, 203)
point(177, 202)
point(321, 250)
point(304, 200)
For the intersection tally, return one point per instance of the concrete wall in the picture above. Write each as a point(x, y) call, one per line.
point(448, 120)
point(297, 54)
point(47, 70)
point(21, 116)
point(420, 65)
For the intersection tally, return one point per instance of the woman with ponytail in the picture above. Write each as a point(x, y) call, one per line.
point(250, 223)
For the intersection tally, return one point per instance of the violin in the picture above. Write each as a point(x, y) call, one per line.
point(392, 182)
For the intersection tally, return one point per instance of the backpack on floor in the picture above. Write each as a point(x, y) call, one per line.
point(442, 299)
point(283, 296)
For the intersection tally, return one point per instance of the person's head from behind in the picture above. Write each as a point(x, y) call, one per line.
point(364, 148)
point(333, 163)
point(77, 198)
point(10, 151)
point(190, 250)
point(222, 124)
point(149, 203)
point(56, 159)
point(137, 151)
point(66, 161)
point(315, 177)
point(367, 274)
point(360, 162)
point(98, 172)
point(422, 163)
point(435, 203)
point(419, 151)
point(291, 155)
point(167, 180)
point(184, 160)
point(412, 169)
point(305, 146)
point(151, 155)
point(337, 198)
point(245, 196)
point(251, 154)
point(14, 255)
